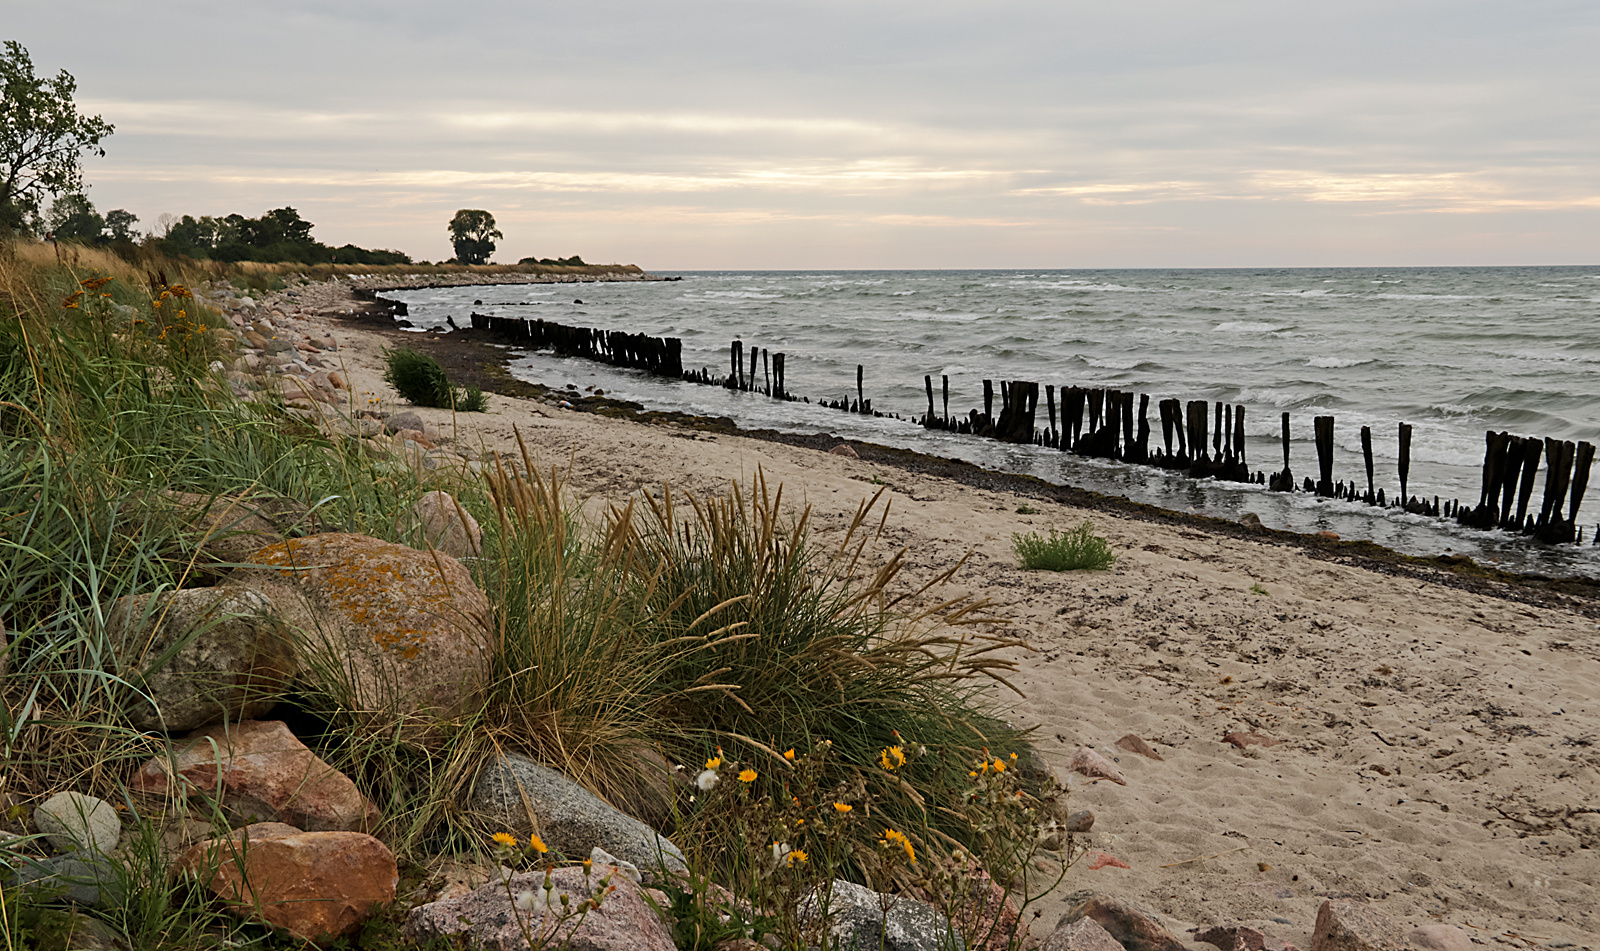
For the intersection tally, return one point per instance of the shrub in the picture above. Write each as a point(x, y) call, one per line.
point(422, 381)
point(1073, 550)
point(418, 377)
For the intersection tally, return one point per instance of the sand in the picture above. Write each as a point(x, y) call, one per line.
point(1439, 750)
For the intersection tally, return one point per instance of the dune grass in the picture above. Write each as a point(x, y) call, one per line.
point(1077, 549)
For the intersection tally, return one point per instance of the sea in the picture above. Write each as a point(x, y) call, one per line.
point(1454, 352)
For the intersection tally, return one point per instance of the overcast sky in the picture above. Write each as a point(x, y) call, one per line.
point(765, 134)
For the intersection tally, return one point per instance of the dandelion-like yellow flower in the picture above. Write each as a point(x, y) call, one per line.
point(842, 808)
point(714, 762)
point(893, 837)
point(789, 754)
point(506, 839)
point(999, 766)
point(892, 757)
point(538, 844)
point(747, 776)
point(797, 857)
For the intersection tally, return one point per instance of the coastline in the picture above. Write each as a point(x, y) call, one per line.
point(1435, 726)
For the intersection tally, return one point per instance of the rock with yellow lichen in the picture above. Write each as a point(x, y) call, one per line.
point(386, 629)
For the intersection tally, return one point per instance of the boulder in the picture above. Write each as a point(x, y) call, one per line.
point(400, 421)
point(73, 822)
point(1440, 937)
point(1134, 927)
point(1134, 743)
point(1085, 934)
point(1080, 821)
point(229, 528)
point(318, 886)
point(844, 449)
point(1242, 739)
point(495, 915)
point(856, 918)
point(447, 526)
point(571, 820)
point(1354, 926)
point(259, 771)
point(85, 878)
point(384, 628)
point(1232, 936)
point(202, 655)
point(1092, 764)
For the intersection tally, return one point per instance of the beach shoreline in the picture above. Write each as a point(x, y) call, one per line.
point(1432, 734)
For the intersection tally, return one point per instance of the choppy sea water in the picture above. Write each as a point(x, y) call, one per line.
point(1452, 351)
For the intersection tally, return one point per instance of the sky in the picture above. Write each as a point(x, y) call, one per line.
point(759, 134)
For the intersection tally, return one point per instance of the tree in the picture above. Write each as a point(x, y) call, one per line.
point(73, 218)
point(119, 223)
point(42, 136)
point(472, 232)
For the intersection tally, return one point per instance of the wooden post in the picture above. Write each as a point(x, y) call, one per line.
point(988, 402)
point(1238, 440)
point(766, 368)
point(737, 354)
point(1324, 434)
point(861, 399)
point(1142, 441)
point(1580, 479)
point(946, 378)
point(1052, 436)
point(1366, 455)
point(1405, 463)
point(777, 371)
point(927, 421)
point(1197, 431)
point(1531, 450)
point(1096, 400)
point(1128, 449)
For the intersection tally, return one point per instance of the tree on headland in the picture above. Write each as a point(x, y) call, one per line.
point(42, 136)
point(472, 233)
point(279, 235)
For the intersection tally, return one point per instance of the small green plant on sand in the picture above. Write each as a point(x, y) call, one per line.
point(1258, 589)
point(1026, 509)
point(422, 381)
point(1073, 550)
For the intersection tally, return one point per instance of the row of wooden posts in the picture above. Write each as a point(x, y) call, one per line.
point(1114, 424)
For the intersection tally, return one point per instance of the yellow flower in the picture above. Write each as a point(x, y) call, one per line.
point(842, 808)
point(891, 837)
point(999, 766)
point(892, 757)
point(747, 776)
point(506, 839)
point(538, 844)
point(789, 754)
point(714, 762)
point(797, 857)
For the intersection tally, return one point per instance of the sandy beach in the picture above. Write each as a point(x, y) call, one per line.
point(1434, 750)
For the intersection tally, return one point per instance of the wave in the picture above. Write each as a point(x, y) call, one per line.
point(1334, 363)
point(1249, 326)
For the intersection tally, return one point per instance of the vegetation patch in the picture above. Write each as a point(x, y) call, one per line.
point(1077, 549)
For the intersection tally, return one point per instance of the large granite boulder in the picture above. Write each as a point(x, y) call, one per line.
point(258, 771)
point(497, 915)
point(201, 655)
point(571, 820)
point(388, 629)
point(318, 886)
point(1134, 927)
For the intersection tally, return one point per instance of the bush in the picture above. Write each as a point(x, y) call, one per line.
point(422, 381)
point(1074, 550)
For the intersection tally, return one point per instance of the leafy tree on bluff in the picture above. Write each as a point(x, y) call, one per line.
point(42, 136)
point(73, 218)
point(472, 232)
point(119, 224)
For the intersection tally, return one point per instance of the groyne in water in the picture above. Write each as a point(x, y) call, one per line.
point(1200, 439)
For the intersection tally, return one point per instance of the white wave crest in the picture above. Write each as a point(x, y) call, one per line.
point(1333, 363)
point(1108, 363)
point(1249, 326)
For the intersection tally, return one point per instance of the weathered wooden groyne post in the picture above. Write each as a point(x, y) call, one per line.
point(861, 393)
point(1324, 435)
point(1283, 481)
point(1052, 436)
point(1366, 456)
point(946, 378)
